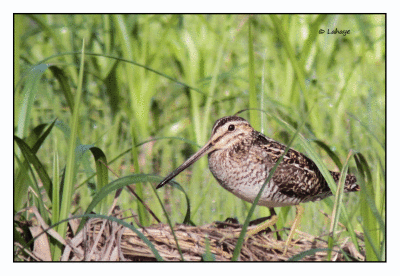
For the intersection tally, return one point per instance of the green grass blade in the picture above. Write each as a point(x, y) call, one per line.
point(18, 27)
point(22, 180)
point(299, 70)
point(32, 158)
point(30, 92)
point(102, 175)
point(253, 99)
point(71, 166)
point(382, 144)
point(62, 78)
point(169, 223)
point(143, 217)
point(187, 219)
point(185, 85)
point(338, 203)
point(55, 212)
point(331, 154)
point(39, 142)
point(372, 221)
point(138, 108)
point(312, 37)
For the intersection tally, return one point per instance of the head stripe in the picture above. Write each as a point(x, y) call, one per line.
point(219, 123)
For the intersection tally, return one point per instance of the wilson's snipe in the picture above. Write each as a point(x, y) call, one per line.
point(240, 158)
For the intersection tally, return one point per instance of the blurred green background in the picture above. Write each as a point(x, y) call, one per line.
point(146, 77)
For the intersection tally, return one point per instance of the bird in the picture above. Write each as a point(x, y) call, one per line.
point(241, 158)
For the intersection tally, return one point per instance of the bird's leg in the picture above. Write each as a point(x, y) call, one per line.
point(272, 221)
point(262, 226)
point(273, 213)
point(296, 222)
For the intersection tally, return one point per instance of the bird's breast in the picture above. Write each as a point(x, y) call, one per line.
point(240, 174)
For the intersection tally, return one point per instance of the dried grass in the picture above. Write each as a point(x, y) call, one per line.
point(104, 240)
point(127, 246)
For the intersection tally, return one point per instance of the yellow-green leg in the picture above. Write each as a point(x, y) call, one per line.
point(269, 222)
point(296, 222)
point(262, 226)
point(272, 221)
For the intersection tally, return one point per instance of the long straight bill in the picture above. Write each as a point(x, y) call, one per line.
point(203, 151)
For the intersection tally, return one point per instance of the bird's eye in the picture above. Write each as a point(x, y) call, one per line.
point(231, 127)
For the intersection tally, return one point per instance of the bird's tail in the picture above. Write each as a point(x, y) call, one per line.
point(350, 184)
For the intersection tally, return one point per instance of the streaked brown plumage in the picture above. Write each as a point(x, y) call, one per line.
point(240, 158)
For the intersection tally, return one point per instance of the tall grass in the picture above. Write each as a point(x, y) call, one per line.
point(151, 77)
